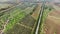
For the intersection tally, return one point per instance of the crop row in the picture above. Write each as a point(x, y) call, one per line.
point(17, 29)
point(21, 14)
point(9, 16)
point(22, 7)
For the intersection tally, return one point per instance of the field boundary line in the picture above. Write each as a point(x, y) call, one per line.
point(54, 17)
point(25, 26)
point(9, 8)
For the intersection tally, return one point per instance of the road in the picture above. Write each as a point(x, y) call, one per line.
point(35, 13)
point(40, 17)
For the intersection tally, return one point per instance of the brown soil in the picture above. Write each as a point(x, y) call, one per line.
point(55, 13)
point(52, 23)
point(36, 13)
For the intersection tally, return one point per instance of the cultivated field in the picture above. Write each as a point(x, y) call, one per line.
point(5, 6)
point(47, 10)
point(20, 20)
point(52, 22)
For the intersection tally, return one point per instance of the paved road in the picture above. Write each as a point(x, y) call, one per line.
point(40, 17)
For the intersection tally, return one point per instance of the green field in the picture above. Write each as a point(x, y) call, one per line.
point(13, 16)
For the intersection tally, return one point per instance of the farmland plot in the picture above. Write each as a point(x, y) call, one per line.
point(47, 10)
point(24, 26)
point(13, 16)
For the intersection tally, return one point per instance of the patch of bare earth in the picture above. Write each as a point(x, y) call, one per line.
point(37, 11)
point(52, 23)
